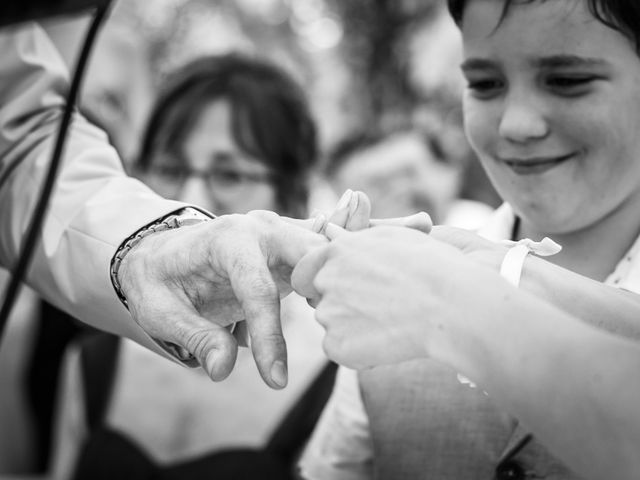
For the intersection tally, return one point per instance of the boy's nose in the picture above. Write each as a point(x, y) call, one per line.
point(522, 121)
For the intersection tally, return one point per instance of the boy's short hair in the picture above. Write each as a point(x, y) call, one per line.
point(621, 15)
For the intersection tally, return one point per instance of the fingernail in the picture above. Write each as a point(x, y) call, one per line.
point(279, 373)
point(344, 200)
point(211, 362)
point(353, 204)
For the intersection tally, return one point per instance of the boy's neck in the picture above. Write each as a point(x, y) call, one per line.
point(596, 250)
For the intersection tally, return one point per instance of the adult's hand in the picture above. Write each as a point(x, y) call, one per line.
point(480, 250)
point(184, 286)
point(353, 213)
point(385, 293)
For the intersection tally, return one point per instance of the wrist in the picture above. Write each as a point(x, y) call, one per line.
point(513, 262)
point(463, 335)
point(130, 247)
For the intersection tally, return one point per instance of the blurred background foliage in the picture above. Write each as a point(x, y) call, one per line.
point(365, 64)
point(358, 58)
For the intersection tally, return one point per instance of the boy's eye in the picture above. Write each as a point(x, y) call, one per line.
point(570, 85)
point(484, 88)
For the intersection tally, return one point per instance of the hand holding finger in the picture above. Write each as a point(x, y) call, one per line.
point(185, 285)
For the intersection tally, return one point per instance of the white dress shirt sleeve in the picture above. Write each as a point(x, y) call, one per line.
point(95, 206)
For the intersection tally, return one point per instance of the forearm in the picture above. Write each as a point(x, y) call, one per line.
point(603, 306)
point(577, 388)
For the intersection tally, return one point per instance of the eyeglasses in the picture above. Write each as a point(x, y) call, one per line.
point(221, 177)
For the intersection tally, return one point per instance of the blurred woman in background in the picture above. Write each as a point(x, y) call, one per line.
point(232, 134)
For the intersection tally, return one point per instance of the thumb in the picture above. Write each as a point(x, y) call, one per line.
point(213, 346)
point(176, 325)
point(304, 273)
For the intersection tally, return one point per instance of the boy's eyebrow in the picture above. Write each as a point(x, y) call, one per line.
point(553, 61)
point(559, 61)
point(477, 64)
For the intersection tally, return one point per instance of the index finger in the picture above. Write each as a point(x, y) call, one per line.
point(292, 240)
point(304, 273)
point(333, 231)
point(258, 296)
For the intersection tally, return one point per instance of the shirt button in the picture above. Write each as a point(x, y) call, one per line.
point(510, 470)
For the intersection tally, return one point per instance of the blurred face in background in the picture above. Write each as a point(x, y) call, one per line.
point(214, 172)
point(401, 176)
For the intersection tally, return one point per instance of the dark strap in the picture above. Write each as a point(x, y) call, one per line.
point(300, 420)
point(98, 361)
point(55, 330)
point(236, 464)
point(109, 455)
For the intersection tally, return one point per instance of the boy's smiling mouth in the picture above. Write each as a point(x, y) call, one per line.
point(535, 165)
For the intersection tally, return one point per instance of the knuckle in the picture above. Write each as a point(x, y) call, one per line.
point(334, 347)
point(232, 223)
point(196, 342)
point(224, 222)
point(259, 284)
point(322, 317)
point(338, 247)
point(275, 339)
point(239, 266)
point(320, 282)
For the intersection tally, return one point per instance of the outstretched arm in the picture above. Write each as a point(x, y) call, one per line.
point(386, 295)
point(184, 285)
point(610, 308)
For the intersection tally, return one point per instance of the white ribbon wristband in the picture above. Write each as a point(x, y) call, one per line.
point(512, 264)
point(513, 261)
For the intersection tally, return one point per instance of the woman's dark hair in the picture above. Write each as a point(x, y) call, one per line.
point(271, 120)
point(621, 15)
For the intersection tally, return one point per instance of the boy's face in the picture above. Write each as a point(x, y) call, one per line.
point(552, 109)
